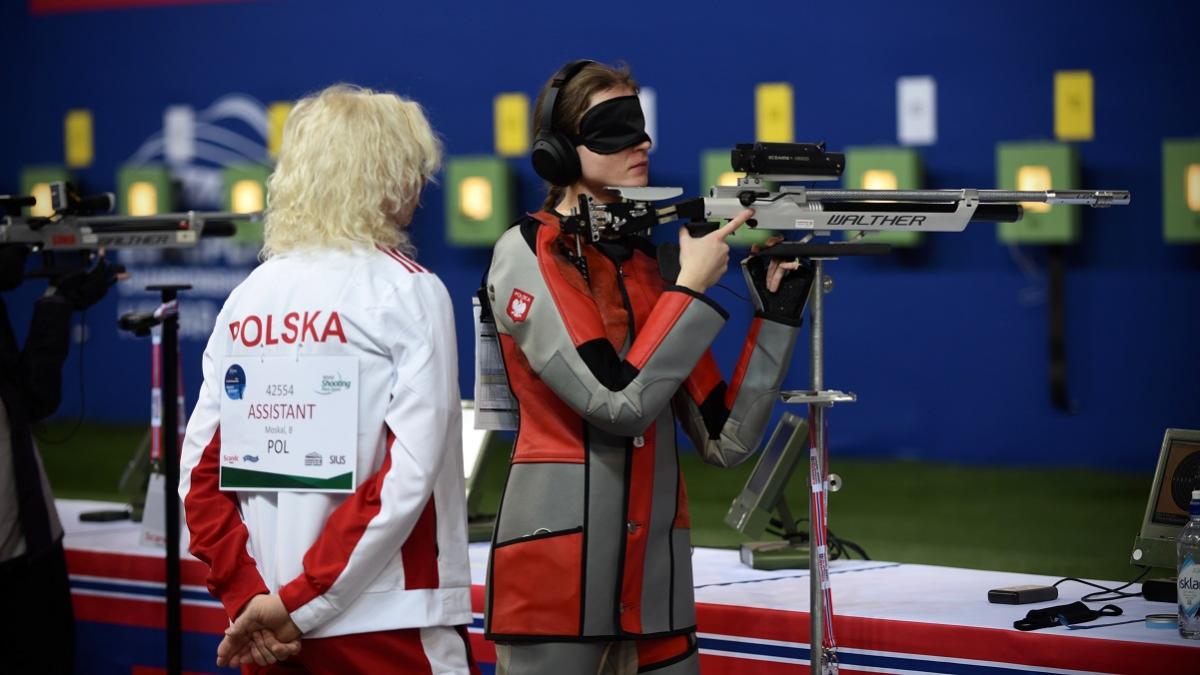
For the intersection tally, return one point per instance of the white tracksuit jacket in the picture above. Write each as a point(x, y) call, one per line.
point(394, 553)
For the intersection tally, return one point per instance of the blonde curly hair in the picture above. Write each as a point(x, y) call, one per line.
point(351, 169)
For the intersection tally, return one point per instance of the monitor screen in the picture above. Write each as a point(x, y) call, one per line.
point(771, 454)
point(1180, 476)
point(1177, 474)
point(754, 507)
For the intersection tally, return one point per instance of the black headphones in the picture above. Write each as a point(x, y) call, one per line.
point(554, 156)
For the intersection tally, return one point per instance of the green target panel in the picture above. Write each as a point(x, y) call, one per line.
point(1181, 190)
point(1039, 166)
point(479, 200)
point(884, 168)
point(245, 191)
point(145, 190)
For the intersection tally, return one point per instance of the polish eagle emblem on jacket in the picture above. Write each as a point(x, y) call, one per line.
point(519, 304)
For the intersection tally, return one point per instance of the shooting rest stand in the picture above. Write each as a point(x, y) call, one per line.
point(793, 551)
point(819, 399)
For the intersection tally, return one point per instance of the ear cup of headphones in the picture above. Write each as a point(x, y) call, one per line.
point(553, 155)
point(555, 159)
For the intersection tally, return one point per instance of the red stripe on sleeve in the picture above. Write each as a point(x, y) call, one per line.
point(705, 376)
point(412, 262)
point(327, 557)
point(739, 373)
point(420, 551)
point(396, 256)
point(218, 535)
point(666, 313)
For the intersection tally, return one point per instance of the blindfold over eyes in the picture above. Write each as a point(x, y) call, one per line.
point(612, 126)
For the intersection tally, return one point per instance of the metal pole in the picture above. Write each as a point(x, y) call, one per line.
point(817, 335)
point(170, 460)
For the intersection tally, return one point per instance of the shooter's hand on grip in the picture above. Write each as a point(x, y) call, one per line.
point(702, 260)
point(779, 288)
point(776, 269)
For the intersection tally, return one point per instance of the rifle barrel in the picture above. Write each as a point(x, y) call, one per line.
point(1082, 197)
point(16, 201)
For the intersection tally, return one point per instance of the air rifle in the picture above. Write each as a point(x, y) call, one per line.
point(80, 224)
point(771, 169)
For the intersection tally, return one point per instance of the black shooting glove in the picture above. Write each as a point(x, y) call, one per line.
point(785, 305)
point(84, 289)
point(1063, 615)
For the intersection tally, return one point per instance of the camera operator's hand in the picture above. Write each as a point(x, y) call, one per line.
point(702, 260)
point(84, 289)
point(12, 265)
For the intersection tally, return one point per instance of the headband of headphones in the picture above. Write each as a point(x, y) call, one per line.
point(557, 83)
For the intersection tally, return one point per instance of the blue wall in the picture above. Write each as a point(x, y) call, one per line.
point(946, 348)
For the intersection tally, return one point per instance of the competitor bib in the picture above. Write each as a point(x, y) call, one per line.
point(289, 425)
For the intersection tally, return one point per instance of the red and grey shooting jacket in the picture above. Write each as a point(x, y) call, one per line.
point(592, 540)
